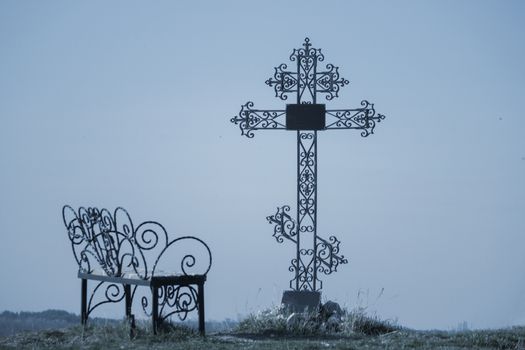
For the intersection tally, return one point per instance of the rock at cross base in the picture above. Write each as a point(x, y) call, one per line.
point(331, 309)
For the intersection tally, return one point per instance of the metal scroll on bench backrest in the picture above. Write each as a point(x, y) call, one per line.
point(110, 242)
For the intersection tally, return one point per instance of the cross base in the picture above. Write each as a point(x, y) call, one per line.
point(301, 301)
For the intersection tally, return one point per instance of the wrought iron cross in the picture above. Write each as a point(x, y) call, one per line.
point(306, 80)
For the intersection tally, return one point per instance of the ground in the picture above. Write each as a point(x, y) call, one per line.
point(117, 337)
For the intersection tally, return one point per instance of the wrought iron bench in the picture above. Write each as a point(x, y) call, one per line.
point(117, 255)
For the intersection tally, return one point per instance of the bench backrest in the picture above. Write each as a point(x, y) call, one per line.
point(109, 243)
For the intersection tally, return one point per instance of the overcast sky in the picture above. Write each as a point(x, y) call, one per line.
point(129, 103)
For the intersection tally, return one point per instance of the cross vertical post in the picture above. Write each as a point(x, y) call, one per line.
point(313, 254)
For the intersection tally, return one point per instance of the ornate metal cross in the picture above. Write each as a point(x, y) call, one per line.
point(306, 80)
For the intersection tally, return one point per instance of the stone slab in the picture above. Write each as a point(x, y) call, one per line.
point(301, 301)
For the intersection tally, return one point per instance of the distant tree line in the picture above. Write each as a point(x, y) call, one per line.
point(16, 322)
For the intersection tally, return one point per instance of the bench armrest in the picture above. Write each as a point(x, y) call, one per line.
point(185, 255)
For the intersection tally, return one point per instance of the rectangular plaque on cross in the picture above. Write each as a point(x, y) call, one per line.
point(305, 117)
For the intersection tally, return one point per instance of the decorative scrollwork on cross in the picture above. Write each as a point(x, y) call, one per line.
point(307, 79)
point(329, 82)
point(250, 119)
point(307, 181)
point(284, 225)
point(364, 118)
point(283, 82)
point(328, 257)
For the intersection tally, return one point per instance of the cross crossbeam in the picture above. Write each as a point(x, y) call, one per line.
point(364, 118)
point(306, 81)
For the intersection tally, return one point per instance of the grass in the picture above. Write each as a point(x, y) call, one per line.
point(274, 322)
point(100, 336)
point(360, 322)
point(269, 330)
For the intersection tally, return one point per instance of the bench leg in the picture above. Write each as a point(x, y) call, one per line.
point(129, 316)
point(155, 308)
point(127, 293)
point(83, 301)
point(200, 301)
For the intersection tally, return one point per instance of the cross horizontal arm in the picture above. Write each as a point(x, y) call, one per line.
point(250, 119)
point(364, 118)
